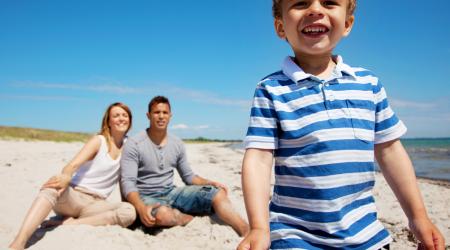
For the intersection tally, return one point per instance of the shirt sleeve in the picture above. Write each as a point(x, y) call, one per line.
point(388, 126)
point(129, 163)
point(183, 167)
point(262, 132)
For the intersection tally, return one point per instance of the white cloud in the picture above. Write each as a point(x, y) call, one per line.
point(183, 126)
point(397, 103)
point(424, 118)
point(180, 126)
point(208, 97)
point(41, 98)
point(119, 88)
point(201, 127)
point(108, 88)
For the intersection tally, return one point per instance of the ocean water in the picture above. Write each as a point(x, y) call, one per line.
point(430, 157)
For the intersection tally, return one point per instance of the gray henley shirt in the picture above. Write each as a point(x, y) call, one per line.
point(147, 168)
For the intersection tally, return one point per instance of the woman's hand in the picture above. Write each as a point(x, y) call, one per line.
point(58, 182)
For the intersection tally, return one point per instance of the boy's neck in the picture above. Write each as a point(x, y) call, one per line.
point(320, 66)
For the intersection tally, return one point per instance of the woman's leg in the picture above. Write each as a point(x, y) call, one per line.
point(37, 213)
point(101, 212)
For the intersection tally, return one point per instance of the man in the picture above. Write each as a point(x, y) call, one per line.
point(147, 165)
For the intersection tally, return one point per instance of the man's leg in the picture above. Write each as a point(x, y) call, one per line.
point(169, 217)
point(165, 215)
point(224, 210)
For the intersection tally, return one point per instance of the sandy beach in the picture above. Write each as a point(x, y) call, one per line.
point(24, 166)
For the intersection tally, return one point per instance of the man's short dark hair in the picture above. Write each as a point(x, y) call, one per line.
point(157, 100)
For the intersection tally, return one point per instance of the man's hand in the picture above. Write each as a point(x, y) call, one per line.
point(57, 182)
point(429, 236)
point(218, 185)
point(145, 214)
point(257, 239)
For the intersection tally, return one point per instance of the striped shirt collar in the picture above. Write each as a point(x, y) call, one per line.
point(296, 74)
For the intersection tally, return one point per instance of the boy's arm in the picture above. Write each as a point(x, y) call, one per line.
point(256, 171)
point(399, 173)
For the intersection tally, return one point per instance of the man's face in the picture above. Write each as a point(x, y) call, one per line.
point(159, 116)
point(313, 27)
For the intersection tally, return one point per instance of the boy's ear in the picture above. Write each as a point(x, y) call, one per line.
point(349, 24)
point(279, 28)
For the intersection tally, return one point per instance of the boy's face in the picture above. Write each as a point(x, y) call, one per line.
point(313, 27)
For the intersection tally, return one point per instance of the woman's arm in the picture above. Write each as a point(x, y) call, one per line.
point(87, 153)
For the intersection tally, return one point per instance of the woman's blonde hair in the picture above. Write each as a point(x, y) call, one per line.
point(105, 129)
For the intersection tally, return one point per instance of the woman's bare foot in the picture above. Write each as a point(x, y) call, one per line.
point(55, 223)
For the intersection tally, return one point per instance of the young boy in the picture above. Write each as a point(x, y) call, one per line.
point(322, 121)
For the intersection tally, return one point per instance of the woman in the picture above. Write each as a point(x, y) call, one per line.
point(79, 192)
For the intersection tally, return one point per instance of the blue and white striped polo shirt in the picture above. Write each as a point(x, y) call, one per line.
point(323, 134)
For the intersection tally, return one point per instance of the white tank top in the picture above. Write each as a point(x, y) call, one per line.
point(100, 174)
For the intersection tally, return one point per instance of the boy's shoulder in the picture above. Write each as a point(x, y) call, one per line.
point(277, 78)
point(363, 72)
point(364, 76)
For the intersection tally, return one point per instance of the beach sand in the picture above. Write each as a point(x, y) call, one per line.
point(25, 166)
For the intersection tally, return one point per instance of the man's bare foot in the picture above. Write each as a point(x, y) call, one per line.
point(184, 219)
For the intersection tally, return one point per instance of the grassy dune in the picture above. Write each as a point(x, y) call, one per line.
point(34, 134)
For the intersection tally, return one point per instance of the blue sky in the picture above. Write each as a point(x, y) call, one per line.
point(63, 62)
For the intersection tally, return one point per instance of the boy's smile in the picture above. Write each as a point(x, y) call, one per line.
point(313, 27)
point(315, 30)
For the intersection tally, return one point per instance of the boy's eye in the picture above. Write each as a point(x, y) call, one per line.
point(329, 3)
point(300, 4)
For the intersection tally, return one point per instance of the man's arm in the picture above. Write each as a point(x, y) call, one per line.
point(256, 171)
point(144, 211)
point(198, 180)
point(399, 173)
point(129, 164)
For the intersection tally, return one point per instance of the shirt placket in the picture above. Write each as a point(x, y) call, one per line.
point(327, 95)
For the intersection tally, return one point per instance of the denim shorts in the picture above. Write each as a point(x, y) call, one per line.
point(192, 199)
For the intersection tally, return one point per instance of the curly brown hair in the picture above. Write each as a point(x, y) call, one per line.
point(276, 8)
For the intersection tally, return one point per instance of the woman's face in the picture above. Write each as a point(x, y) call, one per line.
point(119, 121)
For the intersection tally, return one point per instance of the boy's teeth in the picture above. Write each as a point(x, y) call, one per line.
point(314, 29)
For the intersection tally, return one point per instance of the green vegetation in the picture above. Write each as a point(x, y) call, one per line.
point(34, 134)
point(206, 140)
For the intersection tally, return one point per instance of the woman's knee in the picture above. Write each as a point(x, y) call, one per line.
point(50, 194)
point(125, 214)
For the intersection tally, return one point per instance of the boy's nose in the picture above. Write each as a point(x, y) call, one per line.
point(315, 9)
